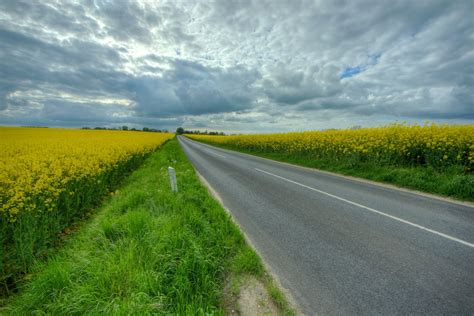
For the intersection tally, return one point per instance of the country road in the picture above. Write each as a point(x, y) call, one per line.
point(343, 246)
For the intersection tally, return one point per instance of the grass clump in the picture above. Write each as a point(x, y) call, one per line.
point(147, 251)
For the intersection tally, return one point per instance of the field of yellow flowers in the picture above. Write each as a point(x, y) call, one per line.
point(432, 158)
point(49, 177)
point(413, 145)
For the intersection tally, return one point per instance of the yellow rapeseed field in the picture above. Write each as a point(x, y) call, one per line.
point(398, 144)
point(37, 165)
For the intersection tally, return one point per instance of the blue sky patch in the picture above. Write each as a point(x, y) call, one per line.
point(351, 71)
point(373, 59)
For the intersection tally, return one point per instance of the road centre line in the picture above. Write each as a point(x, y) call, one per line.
point(372, 210)
point(216, 154)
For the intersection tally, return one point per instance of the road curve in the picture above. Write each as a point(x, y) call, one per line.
point(342, 246)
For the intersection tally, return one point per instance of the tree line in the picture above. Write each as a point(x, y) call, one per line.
point(126, 128)
point(181, 130)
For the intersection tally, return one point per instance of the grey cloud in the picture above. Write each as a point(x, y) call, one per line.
point(191, 88)
point(272, 64)
point(126, 20)
point(88, 69)
point(426, 45)
point(328, 103)
point(29, 61)
point(46, 20)
point(291, 87)
point(4, 89)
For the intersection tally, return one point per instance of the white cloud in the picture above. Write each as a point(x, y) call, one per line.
point(254, 65)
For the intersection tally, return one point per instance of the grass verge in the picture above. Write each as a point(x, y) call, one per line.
point(451, 181)
point(147, 251)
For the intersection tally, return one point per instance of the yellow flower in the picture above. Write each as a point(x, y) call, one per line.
point(39, 164)
point(400, 143)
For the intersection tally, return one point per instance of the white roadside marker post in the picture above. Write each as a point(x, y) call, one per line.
point(174, 184)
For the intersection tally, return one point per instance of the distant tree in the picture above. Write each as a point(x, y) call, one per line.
point(179, 130)
point(133, 129)
point(125, 128)
point(146, 129)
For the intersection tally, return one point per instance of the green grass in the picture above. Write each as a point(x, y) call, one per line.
point(450, 181)
point(146, 251)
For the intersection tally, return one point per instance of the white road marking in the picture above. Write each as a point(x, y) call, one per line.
point(372, 210)
point(216, 154)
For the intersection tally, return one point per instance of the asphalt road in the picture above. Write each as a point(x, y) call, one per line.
point(342, 246)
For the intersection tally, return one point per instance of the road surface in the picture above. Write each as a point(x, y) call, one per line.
point(342, 246)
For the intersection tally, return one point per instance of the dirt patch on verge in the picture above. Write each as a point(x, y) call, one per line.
point(252, 299)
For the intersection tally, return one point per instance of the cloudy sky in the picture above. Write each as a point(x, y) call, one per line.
point(230, 65)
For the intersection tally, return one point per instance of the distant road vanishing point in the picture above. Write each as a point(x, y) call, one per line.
point(343, 246)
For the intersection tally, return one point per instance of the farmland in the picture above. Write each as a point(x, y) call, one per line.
point(147, 250)
point(51, 177)
point(432, 158)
